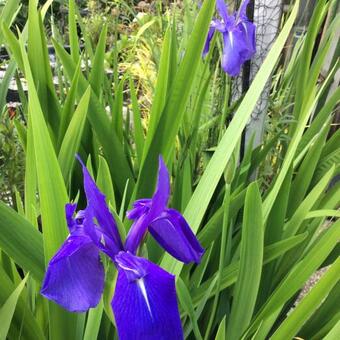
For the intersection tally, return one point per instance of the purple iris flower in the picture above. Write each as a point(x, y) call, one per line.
point(144, 303)
point(239, 43)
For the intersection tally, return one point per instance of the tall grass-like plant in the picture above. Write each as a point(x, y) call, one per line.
point(262, 243)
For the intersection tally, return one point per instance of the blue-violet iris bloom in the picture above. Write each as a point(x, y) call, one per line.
point(144, 303)
point(239, 43)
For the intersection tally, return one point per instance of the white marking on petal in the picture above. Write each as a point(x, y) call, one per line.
point(245, 27)
point(141, 286)
point(129, 269)
point(231, 39)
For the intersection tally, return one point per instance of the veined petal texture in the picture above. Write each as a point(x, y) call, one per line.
point(146, 308)
point(174, 234)
point(75, 276)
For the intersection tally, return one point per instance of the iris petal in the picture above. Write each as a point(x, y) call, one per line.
point(69, 212)
point(146, 308)
point(222, 9)
point(248, 29)
point(242, 12)
point(157, 205)
point(208, 41)
point(75, 276)
point(96, 202)
point(234, 46)
point(173, 233)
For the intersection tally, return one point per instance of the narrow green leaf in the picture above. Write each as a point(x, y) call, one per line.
point(297, 277)
point(221, 332)
point(7, 310)
point(137, 123)
point(97, 71)
point(24, 324)
point(112, 147)
point(93, 322)
point(176, 102)
point(200, 200)
point(73, 35)
point(186, 302)
point(40, 66)
point(333, 334)
point(72, 138)
point(53, 197)
point(303, 311)
point(104, 182)
point(68, 108)
point(251, 257)
point(229, 273)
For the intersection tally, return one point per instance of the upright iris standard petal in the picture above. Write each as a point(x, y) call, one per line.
point(75, 276)
point(146, 210)
point(145, 306)
point(69, 212)
point(96, 202)
point(222, 9)
point(242, 12)
point(173, 233)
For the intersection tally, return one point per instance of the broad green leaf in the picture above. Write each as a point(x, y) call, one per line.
point(21, 241)
point(250, 267)
point(8, 308)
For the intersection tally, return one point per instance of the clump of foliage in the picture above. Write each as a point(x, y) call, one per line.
point(263, 233)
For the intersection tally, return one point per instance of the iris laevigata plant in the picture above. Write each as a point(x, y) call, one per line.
point(144, 303)
point(239, 43)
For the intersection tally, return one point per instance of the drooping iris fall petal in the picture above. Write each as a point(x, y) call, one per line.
point(75, 276)
point(233, 48)
point(173, 233)
point(144, 303)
